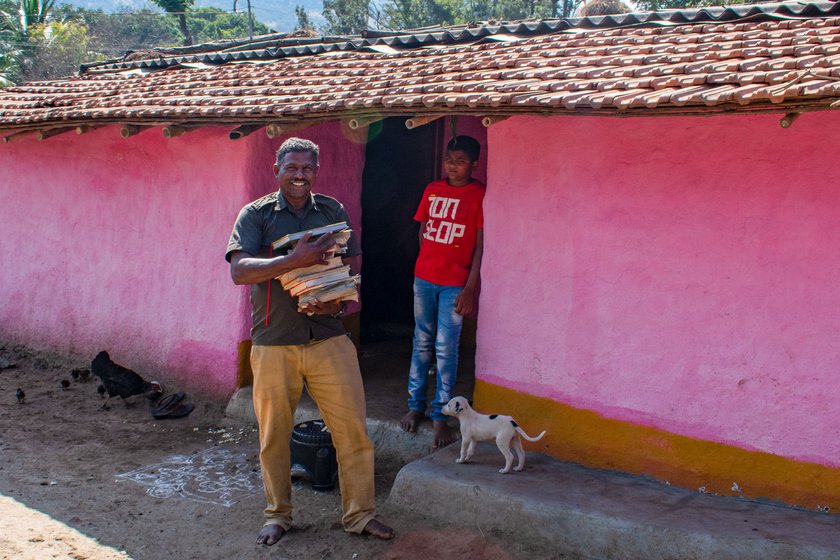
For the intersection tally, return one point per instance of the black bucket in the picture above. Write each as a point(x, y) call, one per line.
point(312, 451)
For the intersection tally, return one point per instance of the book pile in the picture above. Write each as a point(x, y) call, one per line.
point(340, 232)
point(322, 282)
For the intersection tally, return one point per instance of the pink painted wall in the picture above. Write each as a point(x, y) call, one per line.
point(118, 244)
point(678, 273)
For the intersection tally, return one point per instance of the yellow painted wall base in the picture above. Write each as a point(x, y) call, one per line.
point(244, 375)
point(584, 437)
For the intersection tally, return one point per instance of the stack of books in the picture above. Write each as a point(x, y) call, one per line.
point(322, 282)
point(339, 231)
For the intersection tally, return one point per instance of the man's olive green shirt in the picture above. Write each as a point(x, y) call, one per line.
point(258, 225)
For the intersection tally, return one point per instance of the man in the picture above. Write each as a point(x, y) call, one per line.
point(292, 347)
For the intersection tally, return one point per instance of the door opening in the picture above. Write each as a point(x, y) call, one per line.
point(399, 163)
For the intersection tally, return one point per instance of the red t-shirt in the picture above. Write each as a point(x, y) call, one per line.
point(453, 215)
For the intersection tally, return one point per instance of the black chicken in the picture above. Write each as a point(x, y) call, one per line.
point(21, 396)
point(80, 375)
point(120, 381)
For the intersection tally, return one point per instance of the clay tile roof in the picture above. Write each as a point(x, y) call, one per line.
point(770, 57)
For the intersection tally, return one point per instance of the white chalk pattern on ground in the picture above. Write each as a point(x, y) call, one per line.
point(215, 475)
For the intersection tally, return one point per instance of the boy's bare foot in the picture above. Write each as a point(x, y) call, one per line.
point(379, 530)
point(444, 435)
point(270, 534)
point(411, 420)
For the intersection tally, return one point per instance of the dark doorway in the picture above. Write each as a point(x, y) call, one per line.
point(399, 164)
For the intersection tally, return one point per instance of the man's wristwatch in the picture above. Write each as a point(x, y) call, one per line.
point(338, 314)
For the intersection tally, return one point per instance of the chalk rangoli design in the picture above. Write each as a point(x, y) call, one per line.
point(215, 475)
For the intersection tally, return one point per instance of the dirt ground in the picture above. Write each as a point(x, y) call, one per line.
point(117, 483)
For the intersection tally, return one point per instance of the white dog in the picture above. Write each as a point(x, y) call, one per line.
point(477, 427)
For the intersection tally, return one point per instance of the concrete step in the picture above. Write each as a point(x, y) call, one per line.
point(570, 509)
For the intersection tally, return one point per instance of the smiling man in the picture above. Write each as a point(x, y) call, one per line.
point(292, 347)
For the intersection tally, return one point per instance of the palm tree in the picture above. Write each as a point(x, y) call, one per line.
point(35, 12)
point(34, 44)
point(16, 21)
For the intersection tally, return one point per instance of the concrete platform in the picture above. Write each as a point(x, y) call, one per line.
point(573, 510)
point(567, 509)
point(583, 512)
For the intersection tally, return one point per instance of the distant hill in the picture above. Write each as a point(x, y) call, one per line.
point(279, 15)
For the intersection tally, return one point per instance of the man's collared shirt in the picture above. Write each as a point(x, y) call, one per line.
point(258, 225)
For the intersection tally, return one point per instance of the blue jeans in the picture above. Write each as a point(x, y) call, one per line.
point(437, 331)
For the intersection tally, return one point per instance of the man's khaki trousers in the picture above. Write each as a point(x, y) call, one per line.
point(330, 369)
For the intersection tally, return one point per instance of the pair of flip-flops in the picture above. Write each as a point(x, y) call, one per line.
point(172, 406)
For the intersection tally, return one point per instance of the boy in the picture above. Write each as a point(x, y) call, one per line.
point(445, 280)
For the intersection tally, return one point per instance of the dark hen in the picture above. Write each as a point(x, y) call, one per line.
point(80, 375)
point(120, 381)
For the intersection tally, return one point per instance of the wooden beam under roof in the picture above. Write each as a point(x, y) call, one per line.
point(490, 120)
point(16, 136)
point(173, 130)
point(50, 132)
point(359, 122)
point(414, 122)
point(274, 130)
point(128, 130)
point(244, 130)
point(788, 120)
point(85, 128)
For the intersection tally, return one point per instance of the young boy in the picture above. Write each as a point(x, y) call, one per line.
point(445, 281)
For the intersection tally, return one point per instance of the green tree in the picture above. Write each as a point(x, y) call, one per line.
point(653, 5)
point(345, 17)
point(69, 36)
point(304, 23)
point(507, 10)
point(9, 42)
point(55, 49)
point(213, 24)
point(19, 30)
point(112, 35)
point(115, 34)
point(406, 14)
point(179, 9)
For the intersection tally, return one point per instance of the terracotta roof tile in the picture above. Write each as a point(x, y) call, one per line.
point(762, 62)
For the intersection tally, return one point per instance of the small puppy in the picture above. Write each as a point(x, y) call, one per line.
point(477, 427)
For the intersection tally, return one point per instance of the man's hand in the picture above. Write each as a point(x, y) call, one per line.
point(465, 302)
point(322, 307)
point(310, 252)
